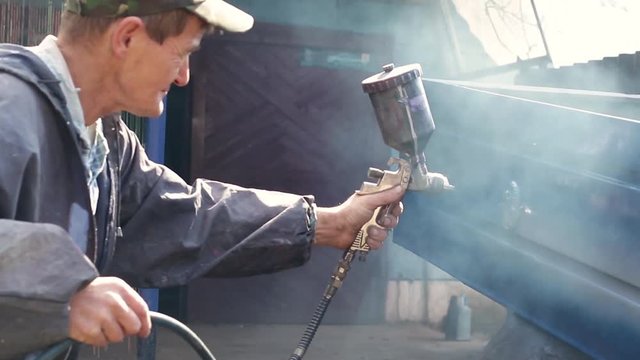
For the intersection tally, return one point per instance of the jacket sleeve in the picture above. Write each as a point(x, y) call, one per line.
point(40, 265)
point(175, 232)
point(40, 269)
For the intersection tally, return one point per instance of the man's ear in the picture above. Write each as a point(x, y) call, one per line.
point(125, 33)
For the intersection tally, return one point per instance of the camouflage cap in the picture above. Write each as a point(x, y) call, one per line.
point(215, 12)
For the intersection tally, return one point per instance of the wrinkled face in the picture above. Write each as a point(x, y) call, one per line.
point(150, 68)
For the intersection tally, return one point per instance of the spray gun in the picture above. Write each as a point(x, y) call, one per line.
point(405, 120)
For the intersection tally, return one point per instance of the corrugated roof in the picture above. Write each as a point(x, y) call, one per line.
point(615, 73)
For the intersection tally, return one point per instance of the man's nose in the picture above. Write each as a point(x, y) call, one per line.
point(183, 74)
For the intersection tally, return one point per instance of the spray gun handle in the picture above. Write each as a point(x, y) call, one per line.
point(386, 179)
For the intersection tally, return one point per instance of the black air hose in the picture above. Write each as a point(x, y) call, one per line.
point(337, 277)
point(157, 319)
point(311, 329)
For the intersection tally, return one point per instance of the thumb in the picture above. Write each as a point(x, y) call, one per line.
point(385, 197)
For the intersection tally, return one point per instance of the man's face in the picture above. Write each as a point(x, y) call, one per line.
point(151, 68)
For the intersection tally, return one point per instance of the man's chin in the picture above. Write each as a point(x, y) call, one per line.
point(155, 114)
point(150, 112)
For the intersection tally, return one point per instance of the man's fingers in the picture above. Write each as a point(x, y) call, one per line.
point(141, 311)
point(112, 331)
point(376, 236)
point(127, 318)
point(86, 327)
point(106, 311)
point(98, 339)
point(91, 335)
point(390, 220)
point(397, 209)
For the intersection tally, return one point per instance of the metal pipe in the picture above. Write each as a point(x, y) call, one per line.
point(544, 38)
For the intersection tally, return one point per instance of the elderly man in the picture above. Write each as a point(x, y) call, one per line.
point(84, 214)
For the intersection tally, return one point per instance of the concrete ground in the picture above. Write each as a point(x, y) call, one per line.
point(332, 342)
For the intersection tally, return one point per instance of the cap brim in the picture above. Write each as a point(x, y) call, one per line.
point(221, 14)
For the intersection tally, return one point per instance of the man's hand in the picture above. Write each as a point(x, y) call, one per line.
point(107, 310)
point(338, 226)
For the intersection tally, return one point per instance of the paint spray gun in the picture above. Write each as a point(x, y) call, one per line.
point(405, 120)
point(406, 123)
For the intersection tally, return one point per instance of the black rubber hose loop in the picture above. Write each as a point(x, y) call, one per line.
point(157, 319)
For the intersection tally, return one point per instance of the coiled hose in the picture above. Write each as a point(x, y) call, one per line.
point(157, 319)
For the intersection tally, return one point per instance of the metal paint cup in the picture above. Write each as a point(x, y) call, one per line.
point(401, 107)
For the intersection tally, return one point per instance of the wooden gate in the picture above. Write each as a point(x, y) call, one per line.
point(282, 108)
point(27, 22)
